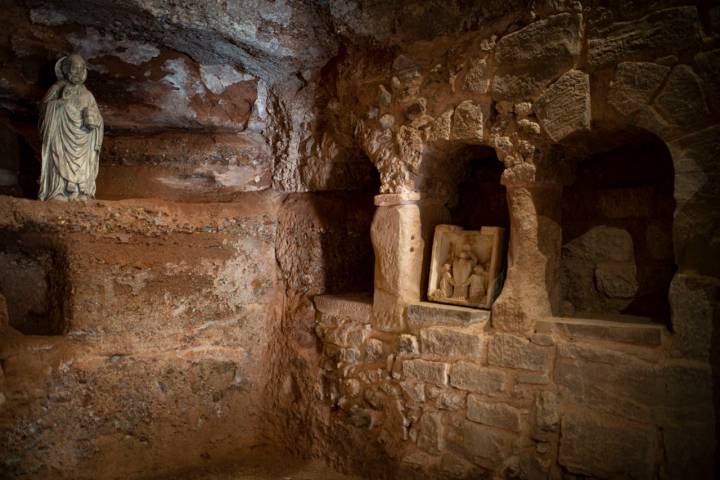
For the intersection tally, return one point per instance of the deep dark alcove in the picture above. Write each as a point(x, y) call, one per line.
point(19, 170)
point(480, 199)
point(617, 255)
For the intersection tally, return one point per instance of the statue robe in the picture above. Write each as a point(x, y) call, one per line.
point(70, 149)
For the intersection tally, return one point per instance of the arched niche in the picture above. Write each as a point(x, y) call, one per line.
point(617, 258)
point(466, 184)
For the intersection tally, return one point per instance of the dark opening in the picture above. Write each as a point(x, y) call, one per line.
point(617, 255)
point(481, 199)
point(34, 286)
point(19, 168)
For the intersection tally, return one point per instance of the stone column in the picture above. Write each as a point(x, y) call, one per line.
point(401, 232)
point(532, 285)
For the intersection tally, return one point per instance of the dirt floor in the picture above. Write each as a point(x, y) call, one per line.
point(269, 466)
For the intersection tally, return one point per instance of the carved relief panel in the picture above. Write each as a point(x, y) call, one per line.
point(465, 267)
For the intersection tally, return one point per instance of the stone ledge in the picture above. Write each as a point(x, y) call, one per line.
point(427, 314)
point(357, 306)
point(636, 330)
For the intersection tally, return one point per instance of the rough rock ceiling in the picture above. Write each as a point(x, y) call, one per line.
point(268, 39)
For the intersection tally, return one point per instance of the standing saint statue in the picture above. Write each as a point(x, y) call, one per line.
point(72, 134)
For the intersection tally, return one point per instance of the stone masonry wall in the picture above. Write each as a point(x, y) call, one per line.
point(451, 397)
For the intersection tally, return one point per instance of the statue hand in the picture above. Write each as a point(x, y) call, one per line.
point(90, 120)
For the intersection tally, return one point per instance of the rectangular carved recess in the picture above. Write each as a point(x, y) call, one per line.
point(35, 288)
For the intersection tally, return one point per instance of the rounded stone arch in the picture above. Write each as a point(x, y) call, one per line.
point(693, 293)
point(616, 217)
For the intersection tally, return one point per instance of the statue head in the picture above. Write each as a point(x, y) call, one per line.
point(71, 68)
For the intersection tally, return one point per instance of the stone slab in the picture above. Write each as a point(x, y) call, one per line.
point(637, 332)
point(429, 372)
point(564, 108)
point(517, 352)
point(426, 314)
point(357, 306)
point(478, 378)
point(451, 342)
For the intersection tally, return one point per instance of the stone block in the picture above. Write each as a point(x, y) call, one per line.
point(497, 415)
point(374, 350)
point(408, 344)
point(441, 126)
point(697, 190)
point(617, 280)
point(682, 101)
point(517, 352)
point(648, 334)
point(694, 301)
point(608, 381)
point(708, 67)
point(662, 32)
point(419, 460)
point(449, 399)
point(603, 447)
point(431, 436)
point(485, 446)
point(468, 123)
point(426, 371)
point(477, 77)
point(532, 378)
point(451, 342)
point(546, 416)
point(554, 40)
point(456, 467)
point(426, 314)
point(414, 391)
point(477, 378)
point(514, 87)
point(353, 306)
point(348, 334)
point(634, 85)
point(564, 108)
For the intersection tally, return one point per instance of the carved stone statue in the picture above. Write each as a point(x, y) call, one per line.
point(72, 134)
point(477, 284)
point(446, 282)
point(462, 267)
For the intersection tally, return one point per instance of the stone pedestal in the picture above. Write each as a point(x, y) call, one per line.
point(401, 234)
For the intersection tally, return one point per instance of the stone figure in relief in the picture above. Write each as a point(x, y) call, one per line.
point(477, 284)
point(462, 267)
point(72, 134)
point(446, 282)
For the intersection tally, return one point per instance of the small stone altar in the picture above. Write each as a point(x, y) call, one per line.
point(465, 265)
